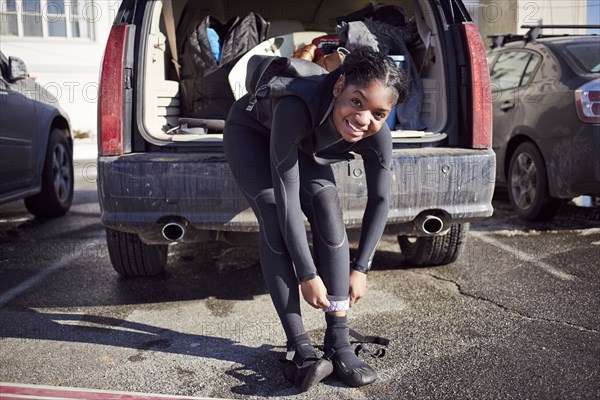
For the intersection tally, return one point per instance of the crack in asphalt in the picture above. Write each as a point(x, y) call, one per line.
point(505, 308)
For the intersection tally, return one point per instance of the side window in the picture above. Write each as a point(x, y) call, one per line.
point(490, 60)
point(70, 19)
point(530, 70)
point(509, 69)
point(3, 67)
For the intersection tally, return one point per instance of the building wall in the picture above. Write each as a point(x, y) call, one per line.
point(68, 67)
point(507, 16)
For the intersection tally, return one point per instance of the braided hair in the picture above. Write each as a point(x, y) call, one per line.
point(364, 65)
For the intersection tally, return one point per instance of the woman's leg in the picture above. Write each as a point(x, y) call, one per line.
point(248, 156)
point(321, 204)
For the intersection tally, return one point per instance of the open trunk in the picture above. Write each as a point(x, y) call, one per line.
point(159, 102)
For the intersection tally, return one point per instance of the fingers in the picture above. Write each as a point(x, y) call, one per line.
point(323, 303)
point(315, 293)
point(318, 302)
point(358, 286)
point(354, 298)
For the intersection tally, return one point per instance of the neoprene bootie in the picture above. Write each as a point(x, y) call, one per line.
point(302, 367)
point(347, 366)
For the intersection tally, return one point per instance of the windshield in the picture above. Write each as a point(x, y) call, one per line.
point(586, 55)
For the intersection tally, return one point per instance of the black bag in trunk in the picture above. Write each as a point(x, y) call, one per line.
point(204, 87)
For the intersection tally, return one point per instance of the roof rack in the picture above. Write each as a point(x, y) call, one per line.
point(535, 32)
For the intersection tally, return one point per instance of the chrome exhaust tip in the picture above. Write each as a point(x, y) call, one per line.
point(173, 231)
point(429, 224)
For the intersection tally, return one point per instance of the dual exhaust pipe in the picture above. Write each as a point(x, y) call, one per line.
point(429, 224)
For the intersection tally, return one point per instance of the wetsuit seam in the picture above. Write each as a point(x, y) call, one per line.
point(261, 222)
point(379, 156)
point(292, 148)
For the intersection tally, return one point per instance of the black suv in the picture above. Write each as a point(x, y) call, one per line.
point(158, 185)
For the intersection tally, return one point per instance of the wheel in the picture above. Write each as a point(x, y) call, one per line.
point(57, 179)
point(132, 257)
point(528, 185)
point(427, 251)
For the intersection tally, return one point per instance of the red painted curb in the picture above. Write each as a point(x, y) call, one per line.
point(10, 391)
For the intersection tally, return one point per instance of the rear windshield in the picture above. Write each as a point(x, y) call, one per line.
point(586, 55)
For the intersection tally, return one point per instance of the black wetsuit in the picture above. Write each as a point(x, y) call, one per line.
point(280, 155)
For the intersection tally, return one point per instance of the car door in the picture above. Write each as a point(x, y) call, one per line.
point(510, 74)
point(17, 133)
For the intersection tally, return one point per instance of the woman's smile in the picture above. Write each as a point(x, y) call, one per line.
point(353, 130)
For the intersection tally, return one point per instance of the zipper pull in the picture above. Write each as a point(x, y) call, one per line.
point(251, 103)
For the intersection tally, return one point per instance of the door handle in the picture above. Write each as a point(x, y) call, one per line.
point(507, 105)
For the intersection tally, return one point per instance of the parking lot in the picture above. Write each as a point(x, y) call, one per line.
point(515, 317)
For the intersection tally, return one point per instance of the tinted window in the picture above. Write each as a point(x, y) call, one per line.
point(509, 69)
point(587, 55)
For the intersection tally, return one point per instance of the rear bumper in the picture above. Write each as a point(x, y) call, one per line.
point(140, 192)
point(572, 161)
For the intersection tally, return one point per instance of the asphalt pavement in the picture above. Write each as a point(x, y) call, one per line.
point(515, 318)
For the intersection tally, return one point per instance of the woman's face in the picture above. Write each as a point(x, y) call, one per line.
point(359, 112)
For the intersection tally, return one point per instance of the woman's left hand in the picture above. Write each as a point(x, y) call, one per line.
point(358, 286)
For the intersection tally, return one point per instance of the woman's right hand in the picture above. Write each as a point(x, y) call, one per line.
point(315, 292)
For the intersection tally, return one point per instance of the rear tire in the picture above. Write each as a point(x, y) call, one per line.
point(132, 257)
point(57, 179)
point(528, 185)
point(426, 251)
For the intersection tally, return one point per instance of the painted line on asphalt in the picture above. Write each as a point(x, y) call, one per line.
point(40, 276)
point(21, 391)
point(523, 256)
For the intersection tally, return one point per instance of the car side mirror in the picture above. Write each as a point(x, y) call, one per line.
point(17, 69)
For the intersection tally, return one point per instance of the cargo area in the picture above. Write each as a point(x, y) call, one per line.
point(291, 25)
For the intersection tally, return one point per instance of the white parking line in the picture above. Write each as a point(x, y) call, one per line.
point(40, 276)
point(521, 255)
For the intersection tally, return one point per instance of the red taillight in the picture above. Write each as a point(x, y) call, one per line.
point(481, 95)
point(587, 102)
point(110, 96)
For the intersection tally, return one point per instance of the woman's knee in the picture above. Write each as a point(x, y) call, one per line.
point(327, 215)
point(266, 212)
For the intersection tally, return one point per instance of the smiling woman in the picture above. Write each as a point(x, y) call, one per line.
point(279, 150)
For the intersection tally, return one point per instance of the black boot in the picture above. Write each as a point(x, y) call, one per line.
point(302, 367)
point(347, 366)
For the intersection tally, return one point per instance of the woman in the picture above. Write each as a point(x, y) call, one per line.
point(279, 151)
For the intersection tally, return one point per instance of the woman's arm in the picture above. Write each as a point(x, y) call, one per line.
point(377, 159)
